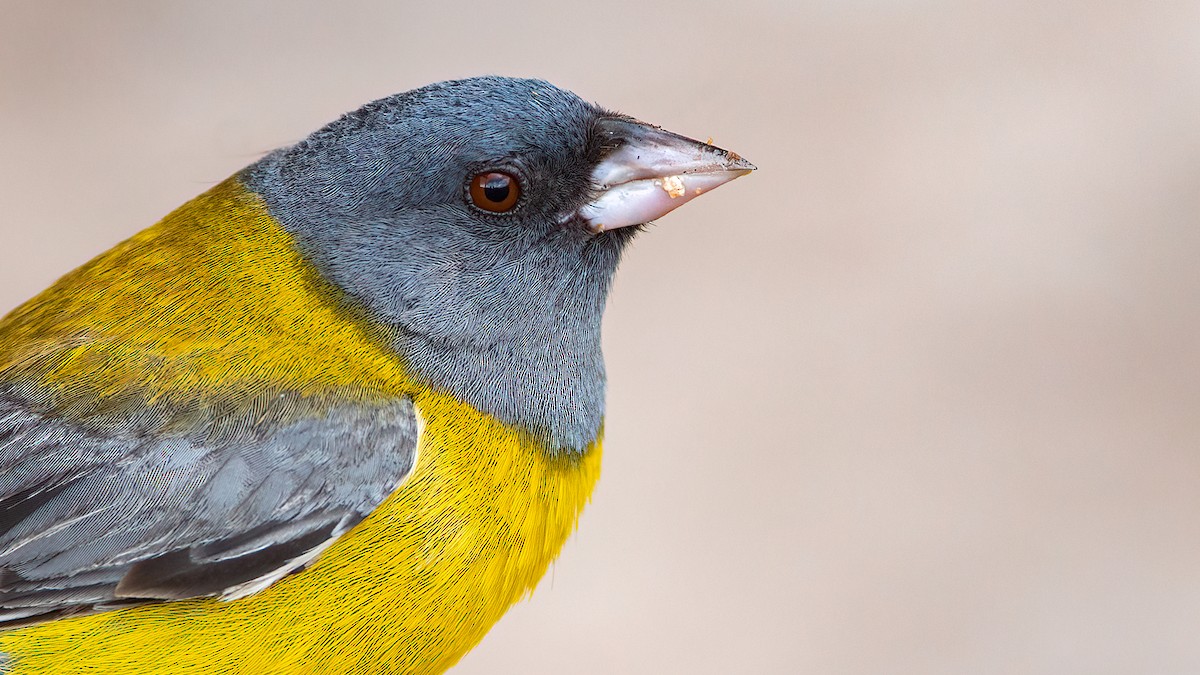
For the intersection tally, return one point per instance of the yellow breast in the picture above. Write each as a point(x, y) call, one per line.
point(410, 589)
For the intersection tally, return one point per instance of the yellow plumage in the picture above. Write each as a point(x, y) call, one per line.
point(411, 588)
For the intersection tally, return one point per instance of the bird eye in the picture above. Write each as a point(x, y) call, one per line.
point(495, 191)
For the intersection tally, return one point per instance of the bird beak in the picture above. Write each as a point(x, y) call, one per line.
point(651, 173)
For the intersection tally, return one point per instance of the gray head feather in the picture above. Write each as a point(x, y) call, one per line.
point(502, 311)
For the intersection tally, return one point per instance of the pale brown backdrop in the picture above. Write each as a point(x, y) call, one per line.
point(920, 396)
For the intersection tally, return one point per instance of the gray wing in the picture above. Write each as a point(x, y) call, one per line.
point(93, 519)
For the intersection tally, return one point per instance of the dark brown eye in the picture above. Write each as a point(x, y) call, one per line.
point(495, 191)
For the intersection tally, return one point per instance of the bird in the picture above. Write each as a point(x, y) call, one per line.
point(340, 411)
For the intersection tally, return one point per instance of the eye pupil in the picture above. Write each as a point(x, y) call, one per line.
point(495, 191)
point(496, 188)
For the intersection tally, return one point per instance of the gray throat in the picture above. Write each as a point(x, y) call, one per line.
point(552, 387)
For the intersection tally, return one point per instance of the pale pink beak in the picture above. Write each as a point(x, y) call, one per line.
point(653, 172)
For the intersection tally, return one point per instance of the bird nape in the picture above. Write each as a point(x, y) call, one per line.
point(337, 413)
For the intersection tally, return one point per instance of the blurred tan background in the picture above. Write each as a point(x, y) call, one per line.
point(919, 396)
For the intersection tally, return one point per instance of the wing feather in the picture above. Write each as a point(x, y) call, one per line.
point(92, 520)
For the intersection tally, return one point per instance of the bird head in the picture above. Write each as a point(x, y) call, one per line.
point(479, 223)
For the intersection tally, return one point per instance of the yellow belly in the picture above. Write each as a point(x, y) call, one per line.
point(409, 590)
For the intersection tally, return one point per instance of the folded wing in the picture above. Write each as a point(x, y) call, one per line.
point(94, 519)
